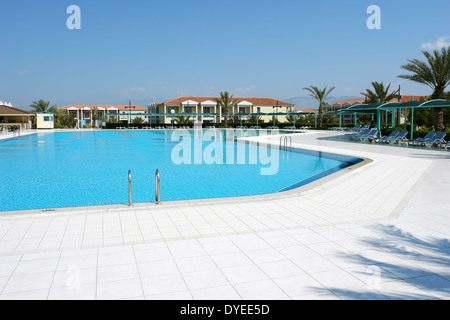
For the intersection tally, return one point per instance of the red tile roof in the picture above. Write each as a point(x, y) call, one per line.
point(351, 101)
point(119, 107)
point(410, 98)
point(255, 101)
point(362, 100)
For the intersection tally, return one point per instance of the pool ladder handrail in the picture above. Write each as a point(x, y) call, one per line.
point(130, 198)
point(157, 187)
point(286, 143)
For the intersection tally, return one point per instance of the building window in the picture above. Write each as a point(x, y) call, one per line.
point(241, 109)
point(188, 110)
point(206, 109)
point(86, 114)
point(258, 110)
point(47, 118)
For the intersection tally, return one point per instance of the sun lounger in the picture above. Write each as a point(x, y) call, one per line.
point(428, 137)
point(355, 128)
point(353, 136)
point(437, 139)
point(372, 134)
point(385, 139)
point(400, 137)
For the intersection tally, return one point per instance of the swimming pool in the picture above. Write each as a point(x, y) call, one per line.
point(73, 169)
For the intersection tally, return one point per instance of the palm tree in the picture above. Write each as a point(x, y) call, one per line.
point(95, 115)
point(380, 94)
point(321, 96)
point(435, 73)
point(42, 106)
point(181, 120)
point(226, 102)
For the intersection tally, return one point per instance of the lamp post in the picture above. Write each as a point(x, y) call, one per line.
point(129, 113)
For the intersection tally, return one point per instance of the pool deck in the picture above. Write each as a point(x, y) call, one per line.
point(377, 231)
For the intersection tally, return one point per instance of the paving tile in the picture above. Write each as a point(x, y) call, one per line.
point(78, 261)
point(432, 284)
point(117, 272)
point(216, 293)
point(205, 279)
point(280, 269)
point(186, 251)
point(36, 266)
point(193, 264)
point(37, 295)
point(244, 274)
point(300, 285)
point(164, 285)
point(402, 290)
point(260, 290)
point(231, 260)
point(84, 292)
point(74, 277)
point(337, 279)
point(122, 289)
point(315, 264)
point(157, 268)
point(29, 282)
point(185, 295)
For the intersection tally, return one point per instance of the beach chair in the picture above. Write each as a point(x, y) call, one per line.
point(437, 139)
point(384, 139)
point(355, 128)
point(372, 134)
point(399, 138)
point(428, 137)
point(353, 136)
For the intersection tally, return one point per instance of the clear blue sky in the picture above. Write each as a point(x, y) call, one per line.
point(162, 49)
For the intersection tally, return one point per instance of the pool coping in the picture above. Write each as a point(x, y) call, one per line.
point(308, 188)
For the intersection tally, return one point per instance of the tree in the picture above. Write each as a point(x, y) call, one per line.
point(255, 120)
point(137, 121)
point(380, 94)
point(435, 73)
point(182, 120)
point(225, 102)
point(65, 120)
point(95, 115)
point(42, 106)
point(321, 96)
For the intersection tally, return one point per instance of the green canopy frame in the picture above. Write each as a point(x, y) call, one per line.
point(376, 108)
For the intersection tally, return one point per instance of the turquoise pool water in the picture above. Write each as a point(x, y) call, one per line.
point(72, 169)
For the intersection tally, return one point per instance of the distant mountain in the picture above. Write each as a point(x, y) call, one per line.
point(142, 102)
point(311, 103)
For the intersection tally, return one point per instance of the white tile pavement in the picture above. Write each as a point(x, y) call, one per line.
point(377, 232)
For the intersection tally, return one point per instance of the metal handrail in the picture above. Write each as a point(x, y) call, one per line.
point(157, 187)
point(284, 143)
point(130, 199)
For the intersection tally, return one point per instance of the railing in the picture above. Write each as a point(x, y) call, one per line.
point(286, 145)
point(130, 198)
point(157, 187)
